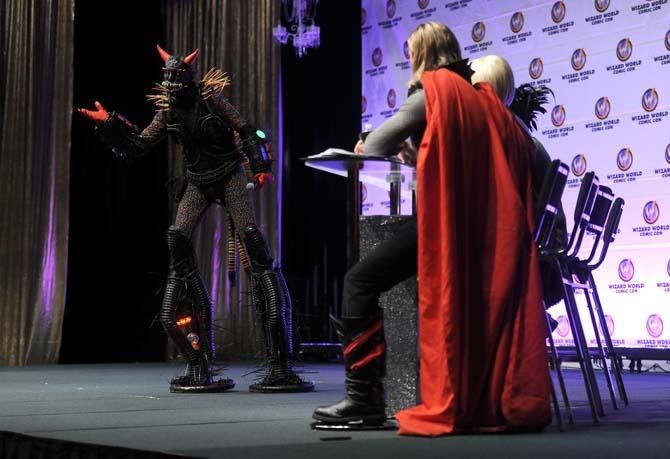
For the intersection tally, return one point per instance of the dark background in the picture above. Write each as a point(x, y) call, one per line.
point(119, 213)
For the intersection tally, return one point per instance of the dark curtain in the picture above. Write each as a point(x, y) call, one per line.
point(236, 37)
point(117, 255)
point(35, 108)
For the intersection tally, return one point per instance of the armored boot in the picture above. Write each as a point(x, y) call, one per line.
point(363, 349)
point(186, 318)
point(272, 305)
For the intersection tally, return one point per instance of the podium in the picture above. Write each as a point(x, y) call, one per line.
point(400, 304)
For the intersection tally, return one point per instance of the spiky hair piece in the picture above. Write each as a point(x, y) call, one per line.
point(159, 98)
point(529, 101)
point(213, 83)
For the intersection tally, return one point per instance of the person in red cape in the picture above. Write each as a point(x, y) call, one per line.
point(481, 323)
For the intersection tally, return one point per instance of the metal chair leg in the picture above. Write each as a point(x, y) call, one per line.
point(614, 358)
point(557, 409)
point(580, 344)
point(601, 352)
point(587, 355)
point(559, 374)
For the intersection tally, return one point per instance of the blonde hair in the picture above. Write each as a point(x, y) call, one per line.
point(431, 45)
point(496, 71)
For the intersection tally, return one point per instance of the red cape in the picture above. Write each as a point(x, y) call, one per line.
point(481, 321)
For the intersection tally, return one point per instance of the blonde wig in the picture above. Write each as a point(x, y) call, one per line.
point(496, 71)
point(431, 45)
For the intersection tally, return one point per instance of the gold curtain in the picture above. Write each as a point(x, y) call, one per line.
point(35, 113)
point(235, 36)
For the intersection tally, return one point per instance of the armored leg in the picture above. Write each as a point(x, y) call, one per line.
point(186, 318)
point(273, 306)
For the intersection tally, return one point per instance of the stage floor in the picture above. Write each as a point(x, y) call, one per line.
point(129, 406)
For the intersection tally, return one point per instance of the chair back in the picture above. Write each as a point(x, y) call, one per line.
point(611, 228)
point(548, 202)
point(583, 209)
point(596, 224)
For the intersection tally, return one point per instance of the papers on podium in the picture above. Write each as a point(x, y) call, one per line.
point(332, 152)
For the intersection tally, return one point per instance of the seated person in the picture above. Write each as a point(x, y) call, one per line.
point(526, 102)
point(483, 366)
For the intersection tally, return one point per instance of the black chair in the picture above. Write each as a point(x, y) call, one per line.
point(563, 260)
point(547, 206)
point(604, 226)
point(579, 272)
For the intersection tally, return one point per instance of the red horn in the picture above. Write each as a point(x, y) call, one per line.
point(164, 54)
point(188, 60)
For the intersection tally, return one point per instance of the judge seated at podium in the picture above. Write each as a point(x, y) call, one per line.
point(481, 345)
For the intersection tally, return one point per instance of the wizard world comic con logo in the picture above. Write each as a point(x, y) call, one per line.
point(667, 268)
point(563, 327)
point(602, 108)
point(405, 49)
point(478, 32)
point(391, 98)
point(516, 22)
point(536, 68)
point(609, 322)
point(601, 5)
point(423, 4)
point(667, 154)
point(650, 100)
point(558, 116)
point(377, 57)
point(655, 325)
point(364, 16)
point(364, 104)
point(624, 159)
point(578, 59)
point(558, 12)
point(390, 8)
point(624, 49)
point(578, 165)
point(626, 270)
point(667, 40)
point(651, 212)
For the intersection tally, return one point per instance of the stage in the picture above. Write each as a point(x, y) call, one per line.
point(129, 406)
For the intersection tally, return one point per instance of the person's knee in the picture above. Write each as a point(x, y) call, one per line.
point(182, 259)
point(257, 248)
point(169, 307)
point(356, 278)
point(177, 238)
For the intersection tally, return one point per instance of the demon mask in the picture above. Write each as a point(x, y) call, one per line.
point(178, 76)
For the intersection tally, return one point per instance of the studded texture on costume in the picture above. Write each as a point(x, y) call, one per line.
point(215, 138)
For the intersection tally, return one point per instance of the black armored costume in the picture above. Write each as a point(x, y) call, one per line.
point(215, 140)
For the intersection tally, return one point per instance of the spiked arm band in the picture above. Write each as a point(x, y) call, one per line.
point(126, 140)
point(256, 148)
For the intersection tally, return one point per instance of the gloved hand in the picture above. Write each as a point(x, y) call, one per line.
point(264, 178)
point(98, 116)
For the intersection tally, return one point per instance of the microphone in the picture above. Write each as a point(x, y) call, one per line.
point(251, 186)
point(367, 129)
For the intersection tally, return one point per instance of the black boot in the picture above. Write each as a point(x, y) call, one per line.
point(273, 305)
point(363, 348)
point(187, 321)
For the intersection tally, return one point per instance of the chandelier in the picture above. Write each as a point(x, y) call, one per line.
point(299, 17)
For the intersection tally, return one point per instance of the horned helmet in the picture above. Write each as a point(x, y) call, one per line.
point(178, 74)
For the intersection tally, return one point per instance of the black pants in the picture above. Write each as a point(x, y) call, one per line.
point(391, 262)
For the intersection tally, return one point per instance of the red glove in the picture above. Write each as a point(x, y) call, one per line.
point(264, 178)
point(98, 116)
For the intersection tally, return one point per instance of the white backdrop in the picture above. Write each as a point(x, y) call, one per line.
point(608, 63)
